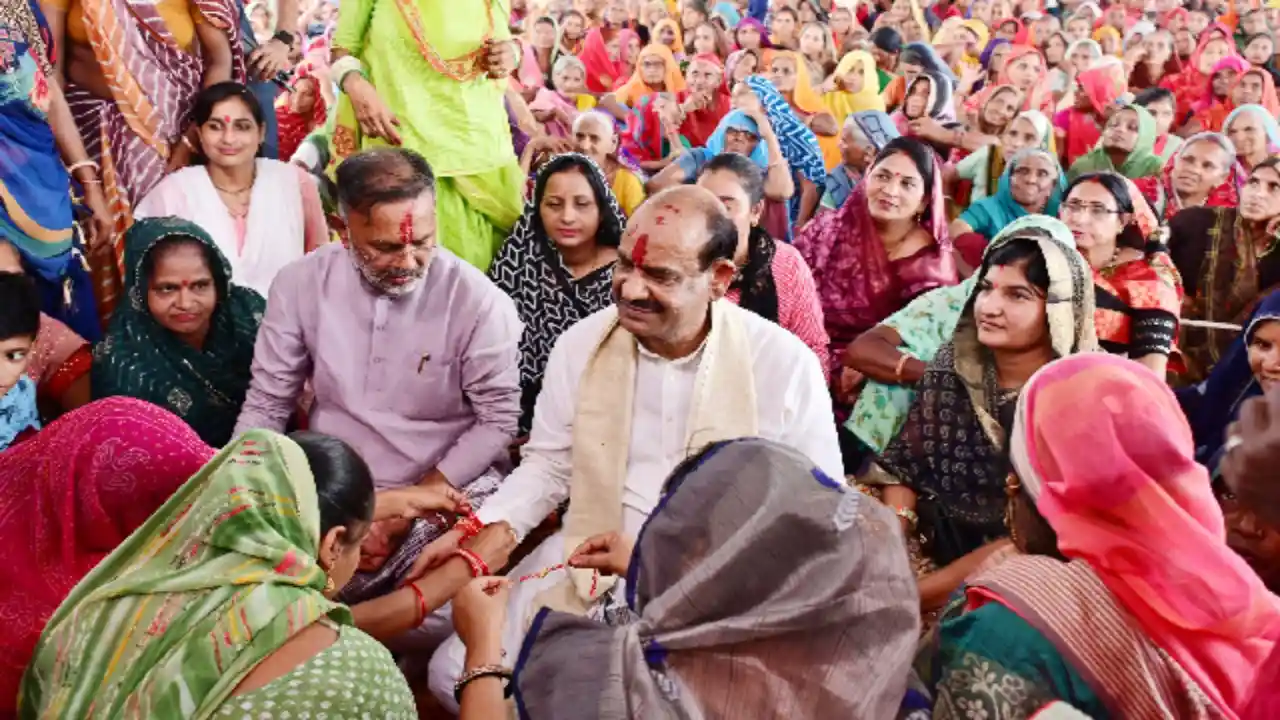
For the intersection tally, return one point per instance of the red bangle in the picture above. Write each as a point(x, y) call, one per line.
point(422, 604)
point(470, 526)
point(478, 566)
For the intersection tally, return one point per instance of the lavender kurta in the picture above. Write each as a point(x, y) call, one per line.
point(364, 352)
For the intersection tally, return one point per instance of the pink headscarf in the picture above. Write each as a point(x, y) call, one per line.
point(1141, 512)
point(1230, 62)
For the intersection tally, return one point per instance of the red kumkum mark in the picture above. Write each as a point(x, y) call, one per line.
point(640, 250)
point(226, 119)
point(406, 227)
point(661, 220)
point(671, 208)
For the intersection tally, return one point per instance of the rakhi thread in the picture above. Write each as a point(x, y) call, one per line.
point(470, 526)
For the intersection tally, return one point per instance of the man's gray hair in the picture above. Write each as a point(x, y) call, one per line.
point(383, 175)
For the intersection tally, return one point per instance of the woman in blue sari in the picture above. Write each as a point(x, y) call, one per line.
point(1032, 183)
point(1250, 367)
point(36, 211)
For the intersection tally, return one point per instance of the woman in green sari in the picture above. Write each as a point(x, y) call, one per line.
point(220, 602)
point(429, 76)
point(184, 338)
point(1127, 146)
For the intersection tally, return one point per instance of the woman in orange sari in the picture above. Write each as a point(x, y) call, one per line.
point(790, 75)
point(131, 71)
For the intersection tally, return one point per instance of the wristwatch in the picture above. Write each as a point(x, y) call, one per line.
point(286, 37)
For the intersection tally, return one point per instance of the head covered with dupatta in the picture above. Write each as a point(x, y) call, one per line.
point(728, 625)
point(220, 577)
point(1117, 481)
point(141, 358)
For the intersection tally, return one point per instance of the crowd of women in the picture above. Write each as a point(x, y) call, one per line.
point(1033, 245)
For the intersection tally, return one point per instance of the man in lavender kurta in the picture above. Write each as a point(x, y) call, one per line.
point(412, 353)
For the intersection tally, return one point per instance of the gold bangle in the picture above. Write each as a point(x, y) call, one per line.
point(902, 364)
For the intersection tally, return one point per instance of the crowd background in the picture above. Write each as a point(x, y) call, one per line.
point(1023, 252)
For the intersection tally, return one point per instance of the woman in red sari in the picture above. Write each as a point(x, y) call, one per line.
point(68, 497)
point(603, 59)
point(1214, 106)
point(1079, 128)
point(1193, 82)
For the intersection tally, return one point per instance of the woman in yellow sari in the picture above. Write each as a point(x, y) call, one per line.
point(429, 76)
point(790, 75)
point(856, 88)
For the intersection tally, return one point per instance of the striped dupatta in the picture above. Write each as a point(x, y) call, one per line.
point(153, 82)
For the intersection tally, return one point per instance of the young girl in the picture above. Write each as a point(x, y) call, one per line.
point(19, 323)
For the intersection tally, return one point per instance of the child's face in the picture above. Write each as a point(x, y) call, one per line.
point(15, 354)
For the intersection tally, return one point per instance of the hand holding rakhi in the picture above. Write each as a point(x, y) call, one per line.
point(609, 553)
point(499, 59)
point(479, 612)
point(416, 501)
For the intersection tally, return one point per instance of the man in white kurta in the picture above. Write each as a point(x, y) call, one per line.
point(668, 309)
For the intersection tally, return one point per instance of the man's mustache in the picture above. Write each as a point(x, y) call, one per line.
point(639, 305)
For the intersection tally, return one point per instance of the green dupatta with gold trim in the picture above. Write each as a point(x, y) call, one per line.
point(220, 577)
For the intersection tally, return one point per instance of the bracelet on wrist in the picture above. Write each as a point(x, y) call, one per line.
point(479, 568)
point(422, 604)
point(483, 671)
point(469, 526)
point(84, 164)
point(908, 515)
point(902, 364)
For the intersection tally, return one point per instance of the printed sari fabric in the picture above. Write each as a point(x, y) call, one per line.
point(141, 359)
point(800, 147)
point(1136, 515)
point(1224, 276)
point(59, 358)
point(548, 298)
point(68, 497)
point(848, 605)
point(154, 81)
point(951, 449)
point(218, 578)
point(461, 126)
point(857, 282)
point(36, 214)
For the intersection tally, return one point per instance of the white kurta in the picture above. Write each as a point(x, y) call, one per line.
point(793, 408)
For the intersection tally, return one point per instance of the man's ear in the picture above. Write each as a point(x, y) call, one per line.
point(722, 273)
point(339, 223)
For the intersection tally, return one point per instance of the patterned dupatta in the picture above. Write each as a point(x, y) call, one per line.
point(951, 449)
point(220, 577)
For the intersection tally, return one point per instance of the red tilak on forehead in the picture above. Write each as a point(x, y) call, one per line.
point(406, 227)
point(185, 284)
point(671, 208)
point(640, 250)
point(661, 220)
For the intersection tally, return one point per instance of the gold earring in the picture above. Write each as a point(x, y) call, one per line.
point(329, 585)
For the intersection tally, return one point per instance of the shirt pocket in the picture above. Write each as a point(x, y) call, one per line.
point(434, 393)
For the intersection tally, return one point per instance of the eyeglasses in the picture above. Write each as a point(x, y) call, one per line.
point(1095, 211)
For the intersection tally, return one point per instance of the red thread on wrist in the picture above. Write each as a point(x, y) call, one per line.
point(422, 604)
point(478, 567)
point(469, 526)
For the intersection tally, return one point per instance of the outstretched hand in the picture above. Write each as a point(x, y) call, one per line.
point(609, 553)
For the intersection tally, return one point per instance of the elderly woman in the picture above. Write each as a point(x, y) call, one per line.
point(1032, 184)
point(1123, 556)
point(1200, 174)
point(185, 339)
point(1255, 134)
point(1127, 146)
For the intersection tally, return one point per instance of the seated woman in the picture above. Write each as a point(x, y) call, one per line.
point(1162, 105)
point(557, 265)
point(19, 324)
point(661, 126)
point(894, 354)
point(556, 107)
point(995, 117)
point(1127, 146)
point(853, 611)
point(1255, 134)
point(773, 280)
point(1224, 256)
point(1250, 367)
point(656, 72)
point(231, 580)
point(1200, 174)
point(1211, 108)
point(72, 494)
point(790, 76)
point(887, 244)
point(1032, 184)
point(853, 86)
point(747, 132)
point(300, 111)
point(1139, 293)
point(929, 97)
point(184, 341)
point(263, 214)
point(952, 493)
point(1078, 128)
point(1127, 601)
point(60, 358)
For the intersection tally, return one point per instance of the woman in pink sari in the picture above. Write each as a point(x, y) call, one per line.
point(1126, 600)
point(68, 497)
point(887, 244)
point(131, 71)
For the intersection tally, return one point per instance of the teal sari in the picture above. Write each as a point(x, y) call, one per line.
point(141, 359)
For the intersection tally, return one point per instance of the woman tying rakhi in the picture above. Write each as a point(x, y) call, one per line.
point(131, 72)
point(39, 135)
